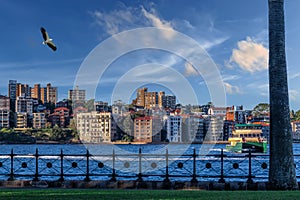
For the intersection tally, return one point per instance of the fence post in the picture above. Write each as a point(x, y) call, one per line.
point(140, 166)
point(222, 180)
point(61, 166)
point(113, 178)
point(87, 177)
point(250, 169)
point(11, 176)
point(167, 167)
point(194, 179)
point(36, 175)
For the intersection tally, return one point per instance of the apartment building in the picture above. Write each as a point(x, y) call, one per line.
point(24, 105)
point(174, 128)
point(76, 94)
point(194, 129)
point(147, 129)
point(4, 111)
point(95, 127)
point(214, 125)
point(39, 120)
point(51, 93)
point(21, 120)
point(60, 117)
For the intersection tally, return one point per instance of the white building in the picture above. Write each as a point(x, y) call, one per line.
point(214, 128)
point(174, 128)
point(94, 127)
point(219, 111)
point(195, 129)
point(4, 111)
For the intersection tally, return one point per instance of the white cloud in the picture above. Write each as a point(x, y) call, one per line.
point(296, 75)
point(231, 89)
point(130, 17)
point(293, 95)
point(250, 56)
point(230, 77)
point(190, 70)
point(116, 20)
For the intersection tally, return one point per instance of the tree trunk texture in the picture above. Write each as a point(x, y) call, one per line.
point(282, 173)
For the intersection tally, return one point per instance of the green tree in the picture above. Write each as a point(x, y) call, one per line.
point(56, 133)
point(261, 109)
point(282, 173)
point(90, 105)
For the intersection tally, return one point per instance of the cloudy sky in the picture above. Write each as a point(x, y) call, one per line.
point(232, 39)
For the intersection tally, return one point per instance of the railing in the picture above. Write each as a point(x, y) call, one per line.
point(222, 167)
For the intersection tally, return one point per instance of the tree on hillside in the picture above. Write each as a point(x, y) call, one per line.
point(261, 109)
point(282, 173)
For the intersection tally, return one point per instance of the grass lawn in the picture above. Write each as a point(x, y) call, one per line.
point(86, 194)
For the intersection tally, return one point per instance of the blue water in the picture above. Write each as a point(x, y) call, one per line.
point(128, 164)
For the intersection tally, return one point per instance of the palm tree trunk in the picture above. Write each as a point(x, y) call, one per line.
point(282, 169)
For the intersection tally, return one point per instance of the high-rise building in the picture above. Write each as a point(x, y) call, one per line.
point(36, 91)
point(43, 93)
point(24, 105)
point(174, 128)
point(151, 99)
point(51, 93)
point(4, 111)
point(76, 94)
point(140, 97)
point(12, 93)
point(169, 101)
point(146, 99)
point(23, 90)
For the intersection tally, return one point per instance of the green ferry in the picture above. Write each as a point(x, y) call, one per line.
point(247, 137)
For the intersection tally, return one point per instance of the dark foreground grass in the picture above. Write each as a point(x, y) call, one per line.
point(73, 194)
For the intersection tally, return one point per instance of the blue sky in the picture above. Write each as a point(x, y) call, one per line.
point(234, 34)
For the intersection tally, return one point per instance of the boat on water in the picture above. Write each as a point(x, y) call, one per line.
point(247, 137)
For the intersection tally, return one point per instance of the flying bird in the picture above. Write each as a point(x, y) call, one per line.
point(47, 39)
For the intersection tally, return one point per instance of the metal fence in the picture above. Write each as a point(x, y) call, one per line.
point(221, 167)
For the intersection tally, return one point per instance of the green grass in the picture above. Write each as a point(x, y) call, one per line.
point(73, 194)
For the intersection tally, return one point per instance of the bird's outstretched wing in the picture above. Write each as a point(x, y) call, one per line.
point(44, 33)
point(52, 46)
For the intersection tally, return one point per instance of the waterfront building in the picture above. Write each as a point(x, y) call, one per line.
point(147, 129)
point(39, 120)
point(60, 117)
point(214, 125)
point(4, 111)
point(21, 120)
point(194, 129)
point(174, 128)
point(94, 127)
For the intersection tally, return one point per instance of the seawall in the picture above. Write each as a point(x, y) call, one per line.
point(131, 184)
